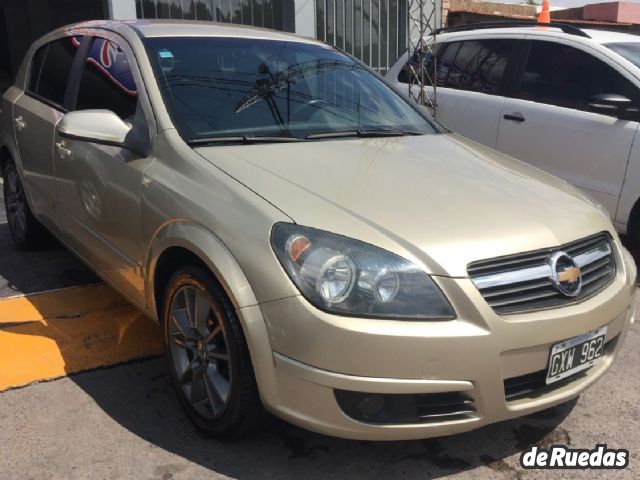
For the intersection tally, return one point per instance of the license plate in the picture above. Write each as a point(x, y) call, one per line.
point(575, 354)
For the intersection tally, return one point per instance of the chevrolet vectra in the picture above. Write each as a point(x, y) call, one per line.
point(309, 241)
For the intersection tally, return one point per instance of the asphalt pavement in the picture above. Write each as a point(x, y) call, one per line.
point(37, 271)
point(125, 421)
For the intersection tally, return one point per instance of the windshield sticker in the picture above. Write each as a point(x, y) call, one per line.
point(166, 60)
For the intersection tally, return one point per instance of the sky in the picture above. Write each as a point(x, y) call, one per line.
point(567, 3)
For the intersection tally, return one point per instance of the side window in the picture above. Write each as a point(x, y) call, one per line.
point(50, 69)
point(411, 70)
point(561, 75)
point(474, 65)
point(107, 81)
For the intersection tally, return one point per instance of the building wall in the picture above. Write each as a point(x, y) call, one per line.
point(601, 11)
point(576, 13)
point(622, 12)
point(462, 12)
point(507, 10)
point(628, 12)
point(23, 21)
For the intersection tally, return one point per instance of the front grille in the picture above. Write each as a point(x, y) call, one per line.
point(533, 385)
point(522, 282)
point(388, 408)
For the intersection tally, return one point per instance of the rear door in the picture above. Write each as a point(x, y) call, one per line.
point(549, 124)
point(470, 86)
point(35, 115)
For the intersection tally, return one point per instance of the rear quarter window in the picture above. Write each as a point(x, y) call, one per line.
point(36, 68)
point(50, 68)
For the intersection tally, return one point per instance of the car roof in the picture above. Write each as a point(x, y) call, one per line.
point(193, 28)
point(597, 36)
point(604, 36)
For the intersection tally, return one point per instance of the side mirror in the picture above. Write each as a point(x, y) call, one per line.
point(96, 126)
point(612, 104)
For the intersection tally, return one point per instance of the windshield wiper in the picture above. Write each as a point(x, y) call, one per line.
point(362, 133)
point(243, 139)
point(268, 87)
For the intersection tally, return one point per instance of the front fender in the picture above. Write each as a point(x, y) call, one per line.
point(211, 251)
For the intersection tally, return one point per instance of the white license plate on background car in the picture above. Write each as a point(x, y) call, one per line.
point(575, 354)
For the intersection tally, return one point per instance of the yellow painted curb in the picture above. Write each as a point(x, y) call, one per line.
point(56, 303)
point(52, 334)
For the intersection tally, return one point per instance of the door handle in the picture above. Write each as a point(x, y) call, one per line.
point(514, 117)
point(63, 151)
point(20, 123)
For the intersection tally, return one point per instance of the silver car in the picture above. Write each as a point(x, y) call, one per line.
point(309, 241)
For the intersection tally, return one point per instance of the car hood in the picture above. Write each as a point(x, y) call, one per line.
point(440, 200)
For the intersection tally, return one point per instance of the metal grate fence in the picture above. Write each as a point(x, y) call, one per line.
point(374, 31)
point(276, 14)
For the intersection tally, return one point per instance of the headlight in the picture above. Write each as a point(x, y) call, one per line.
point(342, 275)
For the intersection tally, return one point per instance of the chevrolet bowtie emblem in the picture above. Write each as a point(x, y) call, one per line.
point(565, 274)
point(569, 274)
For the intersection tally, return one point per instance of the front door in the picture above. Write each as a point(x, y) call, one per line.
point(99, 186)
point(549, 123)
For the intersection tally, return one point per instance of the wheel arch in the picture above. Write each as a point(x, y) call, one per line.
point(8, 152)
point(5, 156)
point(186, 242)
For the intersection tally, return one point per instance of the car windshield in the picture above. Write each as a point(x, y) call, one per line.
point(218, 88)
point(630, 51)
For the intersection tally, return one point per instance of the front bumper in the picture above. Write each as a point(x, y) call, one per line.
point(480, 356)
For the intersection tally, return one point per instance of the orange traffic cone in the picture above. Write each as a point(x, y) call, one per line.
point(545, 15)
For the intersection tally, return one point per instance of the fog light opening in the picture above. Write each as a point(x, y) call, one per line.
point(371, 405)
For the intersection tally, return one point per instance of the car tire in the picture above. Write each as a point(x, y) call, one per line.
point(27, 232)
point(208, 357)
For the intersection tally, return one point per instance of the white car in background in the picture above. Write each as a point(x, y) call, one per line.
point(560, 98)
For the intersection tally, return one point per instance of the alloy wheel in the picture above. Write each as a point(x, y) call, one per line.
point(16, 203)
point(199, 350)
